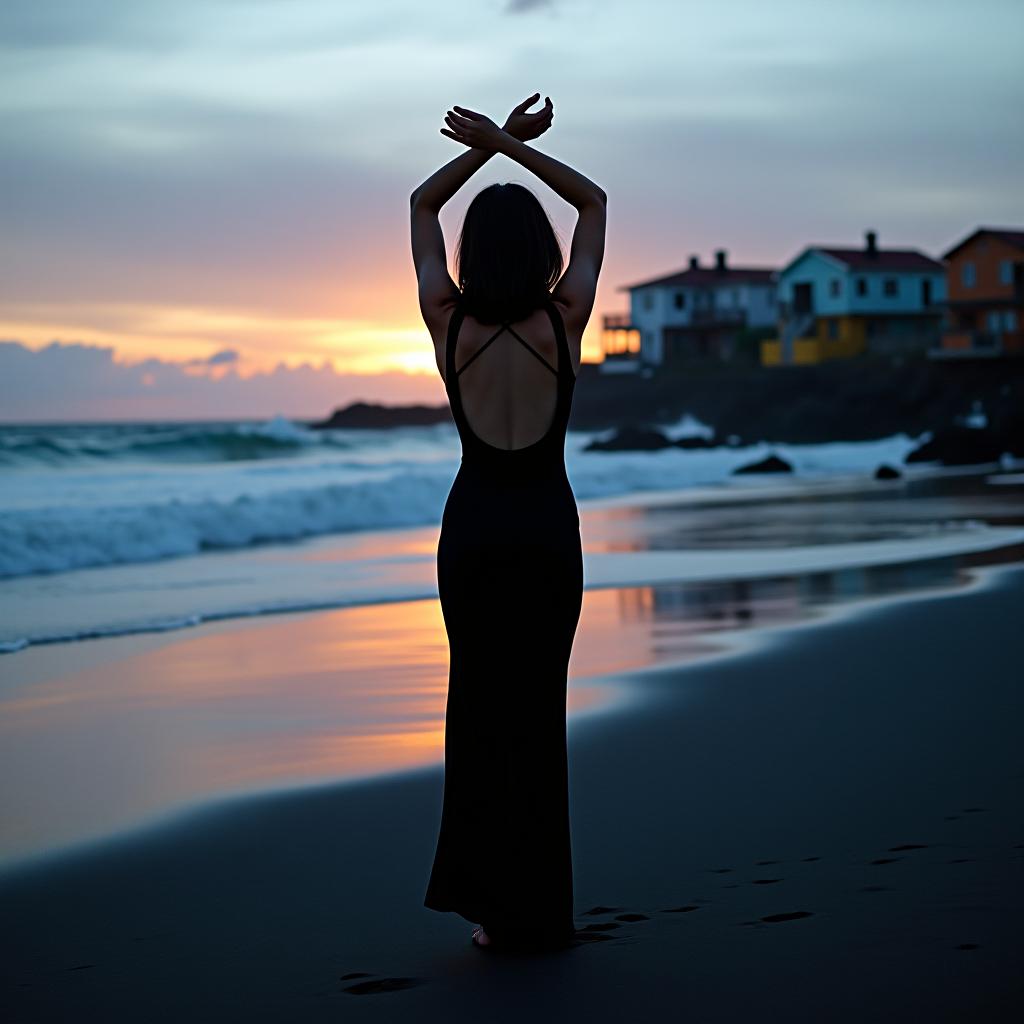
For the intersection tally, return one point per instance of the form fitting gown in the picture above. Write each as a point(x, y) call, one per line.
point(510, 580)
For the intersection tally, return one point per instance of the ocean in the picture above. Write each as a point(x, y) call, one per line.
point(221, 519)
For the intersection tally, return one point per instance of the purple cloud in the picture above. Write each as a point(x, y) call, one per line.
point(75, 381)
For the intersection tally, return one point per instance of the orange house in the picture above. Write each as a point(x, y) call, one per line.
point(984, 313)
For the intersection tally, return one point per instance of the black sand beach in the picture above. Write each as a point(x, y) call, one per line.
point(825, 828)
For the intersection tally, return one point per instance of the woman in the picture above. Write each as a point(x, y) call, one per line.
point(509, 559)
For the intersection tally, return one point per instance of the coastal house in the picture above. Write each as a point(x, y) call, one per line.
point(698, 313)
point(984, 312)
point(840, 302)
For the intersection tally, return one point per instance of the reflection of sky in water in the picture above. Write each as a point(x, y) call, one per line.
point(912, 509)
point(97, 736)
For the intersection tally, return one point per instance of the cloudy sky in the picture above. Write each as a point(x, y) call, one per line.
point(203, 203)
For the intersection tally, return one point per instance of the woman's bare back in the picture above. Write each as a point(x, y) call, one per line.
point(507, 377)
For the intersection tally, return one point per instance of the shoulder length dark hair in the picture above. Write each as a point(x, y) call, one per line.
point(508, 257)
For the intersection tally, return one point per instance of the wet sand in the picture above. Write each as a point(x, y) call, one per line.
point(825, 826)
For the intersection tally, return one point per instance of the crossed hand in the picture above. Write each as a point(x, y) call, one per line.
point(478, 131)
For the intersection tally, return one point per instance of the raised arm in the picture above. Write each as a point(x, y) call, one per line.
point(578, 285)
point(437, 290)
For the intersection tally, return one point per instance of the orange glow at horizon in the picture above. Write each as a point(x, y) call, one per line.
point(137, 332)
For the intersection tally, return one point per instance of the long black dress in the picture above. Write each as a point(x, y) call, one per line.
point(510, 578)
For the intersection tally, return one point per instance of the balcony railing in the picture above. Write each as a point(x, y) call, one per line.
point(618, 322)
point(714, 317)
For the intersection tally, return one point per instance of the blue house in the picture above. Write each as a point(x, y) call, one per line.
point(835, 303)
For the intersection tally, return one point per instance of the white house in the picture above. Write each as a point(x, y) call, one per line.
point(693, 313)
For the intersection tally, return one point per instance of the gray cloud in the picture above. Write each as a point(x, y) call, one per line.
point(221, 358)
point(523, 6)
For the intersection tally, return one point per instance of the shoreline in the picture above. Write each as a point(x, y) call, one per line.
point(860, 769)
point(364, 568)
point(615, 570)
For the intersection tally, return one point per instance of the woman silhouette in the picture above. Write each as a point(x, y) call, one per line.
point(509, 559)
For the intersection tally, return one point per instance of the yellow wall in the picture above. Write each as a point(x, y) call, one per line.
point(851, 340)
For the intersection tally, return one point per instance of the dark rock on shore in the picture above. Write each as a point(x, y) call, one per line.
point(631, 439)
point(647, 439)
point(887, 472)
point(772, 464)
point(371, 416)
point(961, 446)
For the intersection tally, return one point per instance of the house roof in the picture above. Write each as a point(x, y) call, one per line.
point(703, 277)
point(890, 260)
point(1013, 236)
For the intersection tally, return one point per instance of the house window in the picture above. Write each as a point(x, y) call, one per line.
point(648, 300)
point(1005, 272)
point(862, 286)
point(679, 299)
point(833, 328)
point(967, 275)
point(890, 287)
point(1002, 320)
point(835, 287)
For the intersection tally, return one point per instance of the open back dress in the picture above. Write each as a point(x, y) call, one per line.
point(510, 579)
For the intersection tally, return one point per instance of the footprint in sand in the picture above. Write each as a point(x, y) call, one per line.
point(793, 915)
point(765, 863)
point(885, 860)
point(367, 988)
point(765, 881)
point(908, 846)
point(807, 860)
point(681, 910)
point(595, 932)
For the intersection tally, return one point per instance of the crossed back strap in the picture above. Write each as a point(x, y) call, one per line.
point(515, 334)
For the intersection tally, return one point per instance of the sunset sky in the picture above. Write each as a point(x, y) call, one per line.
point(204, 202)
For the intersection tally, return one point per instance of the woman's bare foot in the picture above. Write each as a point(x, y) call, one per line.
point(480, 937)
